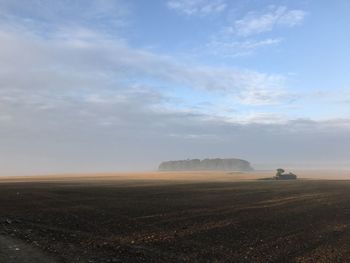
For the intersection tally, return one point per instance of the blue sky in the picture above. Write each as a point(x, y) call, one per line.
point(142, 81)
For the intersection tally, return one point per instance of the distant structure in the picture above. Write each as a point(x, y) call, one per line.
point(206, 165)
point(280, 175)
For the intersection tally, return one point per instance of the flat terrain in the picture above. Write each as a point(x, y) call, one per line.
point(175, 217)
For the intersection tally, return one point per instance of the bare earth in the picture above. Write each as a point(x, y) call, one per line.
point(12, 251)
point(175, 217)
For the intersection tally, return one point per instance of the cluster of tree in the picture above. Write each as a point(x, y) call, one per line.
point(206, 165)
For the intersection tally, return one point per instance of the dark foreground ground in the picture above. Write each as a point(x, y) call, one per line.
point(257, 221)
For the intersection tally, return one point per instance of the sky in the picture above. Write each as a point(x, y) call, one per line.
point(117, 85)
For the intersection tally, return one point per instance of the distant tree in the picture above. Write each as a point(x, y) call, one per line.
point(280, 171)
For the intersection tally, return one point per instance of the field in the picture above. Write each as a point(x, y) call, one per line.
point(175, 217)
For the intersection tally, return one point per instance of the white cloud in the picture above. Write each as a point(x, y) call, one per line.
point(238, 39)
point(234, 48)
point(85, 107)
point(75, 99)
point(260, 118)
point(43, 16)
point(197, 7)
point(51, 74)
point(256, 23)
point(264, 96)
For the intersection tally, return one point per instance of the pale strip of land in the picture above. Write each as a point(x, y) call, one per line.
point(190, 176)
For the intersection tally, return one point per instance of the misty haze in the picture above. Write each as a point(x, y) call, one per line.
point(174, 131)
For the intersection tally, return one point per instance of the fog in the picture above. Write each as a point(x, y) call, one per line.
point(83, 147)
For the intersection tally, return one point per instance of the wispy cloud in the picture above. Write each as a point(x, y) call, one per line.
point(234, 48)
point(240, 39)
point(89, 61)
point(197, 7)
point(256, 22)
point(260, 118)
point(43, 16)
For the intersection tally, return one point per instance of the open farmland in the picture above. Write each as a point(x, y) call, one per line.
point(175, 217)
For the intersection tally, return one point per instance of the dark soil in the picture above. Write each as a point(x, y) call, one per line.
point(258, 221)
